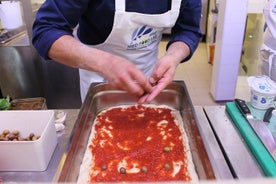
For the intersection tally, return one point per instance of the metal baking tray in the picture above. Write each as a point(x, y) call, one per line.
point(102, 95)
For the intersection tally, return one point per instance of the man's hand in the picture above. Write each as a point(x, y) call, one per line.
point(165, 69)
point(161, 76)
point(124, 75)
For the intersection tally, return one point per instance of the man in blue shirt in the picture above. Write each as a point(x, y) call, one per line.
point(117, 40)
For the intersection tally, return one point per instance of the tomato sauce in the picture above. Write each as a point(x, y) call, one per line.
point(137, 143)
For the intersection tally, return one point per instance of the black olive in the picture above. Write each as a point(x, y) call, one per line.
point(103, 167)
point(123, 170)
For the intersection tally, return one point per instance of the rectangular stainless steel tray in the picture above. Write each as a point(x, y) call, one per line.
point(102, 95)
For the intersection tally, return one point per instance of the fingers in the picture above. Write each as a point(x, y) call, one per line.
point(126, 76)
point(137, 89)
point(144, 84)
point(133, 81)
point(159, 79)
point(143, 99)
point(149, 97)
point(153, 80)
point(138, 84)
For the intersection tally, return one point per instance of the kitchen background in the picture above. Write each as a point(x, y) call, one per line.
point(23, 74)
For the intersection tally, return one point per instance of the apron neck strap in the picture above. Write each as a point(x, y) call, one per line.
point(176, 4)
point(120, 5)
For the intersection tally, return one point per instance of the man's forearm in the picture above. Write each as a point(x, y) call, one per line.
point(71, 52)
point(178, 51)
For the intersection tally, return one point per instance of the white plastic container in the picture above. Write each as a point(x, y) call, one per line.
point(263, 91)
point(27, 155)
point(11, 14)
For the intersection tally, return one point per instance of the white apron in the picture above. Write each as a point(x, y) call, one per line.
point(134, 36)
point(268, 48)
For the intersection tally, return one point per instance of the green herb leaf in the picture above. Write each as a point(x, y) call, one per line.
point(5, 103)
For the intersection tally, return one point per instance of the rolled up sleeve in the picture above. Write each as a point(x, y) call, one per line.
point(52, 22)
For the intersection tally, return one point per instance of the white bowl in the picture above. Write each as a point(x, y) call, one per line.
point(27, 155)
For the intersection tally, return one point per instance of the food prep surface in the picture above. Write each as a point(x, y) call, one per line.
point(227, 154)
point(233, 148)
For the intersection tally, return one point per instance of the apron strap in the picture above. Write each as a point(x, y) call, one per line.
point(176, 4)
point(120, 5)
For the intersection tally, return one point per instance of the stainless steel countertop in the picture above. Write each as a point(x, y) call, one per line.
point(218, 162)
point(230, 157)
point(241, 162)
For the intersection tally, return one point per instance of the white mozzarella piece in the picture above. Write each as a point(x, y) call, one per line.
point(133, 170)
point(162, 123)
point(106, 131)
point(141, 115)
point(122, 147)
point(176, 167)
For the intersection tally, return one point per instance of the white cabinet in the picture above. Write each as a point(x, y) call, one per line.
point(229, 40)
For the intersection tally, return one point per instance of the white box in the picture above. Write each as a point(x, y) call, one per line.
point(27, 155)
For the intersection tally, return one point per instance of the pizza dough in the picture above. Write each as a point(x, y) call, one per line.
point(144, 143)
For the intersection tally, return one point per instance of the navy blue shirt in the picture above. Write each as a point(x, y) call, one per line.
point(56, 18)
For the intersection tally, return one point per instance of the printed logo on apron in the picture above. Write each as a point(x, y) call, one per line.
point(142, 37)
